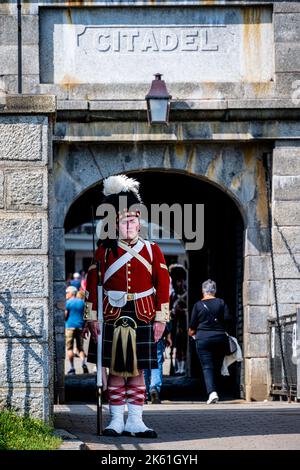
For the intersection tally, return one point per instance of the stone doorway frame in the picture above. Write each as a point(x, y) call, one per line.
point(236, 169)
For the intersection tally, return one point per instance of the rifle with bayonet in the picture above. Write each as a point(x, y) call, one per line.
point(97, 331)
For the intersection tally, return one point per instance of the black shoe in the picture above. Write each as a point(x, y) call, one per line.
point(111, 433)
point(150, 433)
point(71, 372)
point(155, 400)
point(85, 369)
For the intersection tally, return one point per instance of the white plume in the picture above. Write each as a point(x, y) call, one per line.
point(118, 183)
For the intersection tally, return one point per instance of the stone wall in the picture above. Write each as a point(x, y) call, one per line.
point(272, 28)
point(26, 330)
point(258, 103)
point(286, 224)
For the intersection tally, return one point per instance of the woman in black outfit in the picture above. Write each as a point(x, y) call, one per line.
point(209, 317)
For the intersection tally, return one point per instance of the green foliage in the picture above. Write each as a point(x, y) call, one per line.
point(25, 433)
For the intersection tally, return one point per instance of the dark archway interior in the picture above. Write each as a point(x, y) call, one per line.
point(221, 257)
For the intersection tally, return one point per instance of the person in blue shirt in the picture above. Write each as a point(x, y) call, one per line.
point(76, 281)
point(74, 324)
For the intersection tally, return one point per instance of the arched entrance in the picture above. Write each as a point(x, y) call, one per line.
point(220, 258)
point(225, 178)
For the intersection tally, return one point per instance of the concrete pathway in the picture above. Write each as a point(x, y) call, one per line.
point(193, 426)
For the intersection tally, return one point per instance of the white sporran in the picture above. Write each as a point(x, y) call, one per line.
point(117, 298)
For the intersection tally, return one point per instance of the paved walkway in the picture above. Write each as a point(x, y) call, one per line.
point(193, 426)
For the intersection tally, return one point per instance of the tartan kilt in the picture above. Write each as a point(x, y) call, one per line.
point(146, 348)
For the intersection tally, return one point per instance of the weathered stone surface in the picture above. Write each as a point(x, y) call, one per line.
point(21, 138)
point(287, 57)
point(59, 316)
point(1, 189)
point(61, 92)
point(286, 240)
point(288, 291)
point(256, 292)
point(72, 104)
point(100, 59)
point(9, 84)
point(24, 276)
point(22, 362)
point(30, 29)
point(256, 241)
point(286, 188)
point(287, 84)
point(59, 294)
point(27, 189)
point(286, 161)
point(287, 213)
point(257, 345)
point(23, 232)
point(59, 268)
point(59, 241)
point(9, 63)
point(287, 27)
point(23, 317)
point(236, 169)
point(257, 268)
point(60, 344)
point(255, 318)
point(256, 371)
point(206, 129)
point(286, 7)
point(59, 211)
point(8, 30)
point(257, 392)
point(287, 266)
point(27, 401)
point(29, 104)
point(283, 309)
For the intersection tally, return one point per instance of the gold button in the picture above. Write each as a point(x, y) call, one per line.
point(145, 311)
point(111, 311)
point(129, 272)
point(129, 279)
point(129, 265)
point(129, 287)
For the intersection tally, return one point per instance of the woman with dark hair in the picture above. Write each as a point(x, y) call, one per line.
point(209, 317)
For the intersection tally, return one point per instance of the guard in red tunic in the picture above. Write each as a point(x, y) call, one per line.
point(135, 308)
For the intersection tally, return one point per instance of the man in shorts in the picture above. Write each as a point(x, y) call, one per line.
point(74, 323)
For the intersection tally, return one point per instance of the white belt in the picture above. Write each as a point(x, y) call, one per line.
point(137, 295)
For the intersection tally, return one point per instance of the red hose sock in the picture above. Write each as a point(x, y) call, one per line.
point(116, 394)
point(135, 394)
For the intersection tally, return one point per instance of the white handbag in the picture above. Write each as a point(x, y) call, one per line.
point(117, 298)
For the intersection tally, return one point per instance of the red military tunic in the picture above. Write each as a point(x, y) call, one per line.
point(134, 278)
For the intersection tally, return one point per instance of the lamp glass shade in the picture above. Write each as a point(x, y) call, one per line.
point(158, 110)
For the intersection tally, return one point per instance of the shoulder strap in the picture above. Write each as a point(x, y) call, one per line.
point(120, 262)
point(148, 246)
point(136, 255)
point(212, 317)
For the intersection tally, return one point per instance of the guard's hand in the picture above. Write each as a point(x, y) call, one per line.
point(158, 328)
point(94, 328)
point(85, 331)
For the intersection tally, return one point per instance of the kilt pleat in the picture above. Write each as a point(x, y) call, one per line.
point(146, 348)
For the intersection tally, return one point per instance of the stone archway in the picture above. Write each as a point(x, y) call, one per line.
point(237, 170)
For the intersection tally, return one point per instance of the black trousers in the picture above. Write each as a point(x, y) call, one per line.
point(211, 349)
